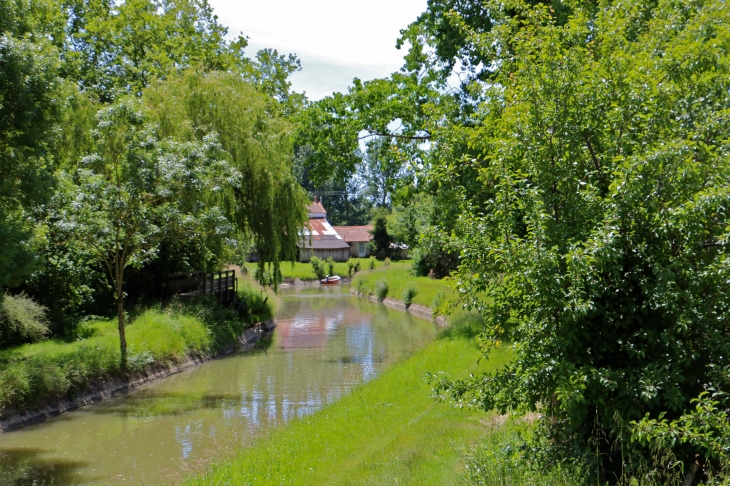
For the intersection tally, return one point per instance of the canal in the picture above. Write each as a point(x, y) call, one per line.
point(326, 343)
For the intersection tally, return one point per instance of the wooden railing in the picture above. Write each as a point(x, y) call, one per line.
point(223, 286)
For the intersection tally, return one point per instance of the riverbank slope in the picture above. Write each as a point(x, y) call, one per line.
point(388, 431)
point(43, 379)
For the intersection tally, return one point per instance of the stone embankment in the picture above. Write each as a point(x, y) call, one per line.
point(415, 309)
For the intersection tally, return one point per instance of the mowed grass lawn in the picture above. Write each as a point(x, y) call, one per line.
point(389, 431)
point(304, 271)
point(398, 276)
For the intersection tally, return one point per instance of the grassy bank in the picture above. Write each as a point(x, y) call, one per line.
point(389, 431)
point(398, 278)
point(304, 271)
point(52, 370)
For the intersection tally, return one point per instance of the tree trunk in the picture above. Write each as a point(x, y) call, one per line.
point(120, 317)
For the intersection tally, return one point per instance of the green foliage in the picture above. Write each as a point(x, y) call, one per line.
point(386, 262)
point(52, 370)
point(384, 168)
point(135, 191)
point(49, 371)
point(330, 128)
point(604, 247)
point(408, 294)
point(411, 218)
point(331, 265)
point(30, 107)
point(435, 253)
point(463, 324)
point(318, 267)
point(350, 268)
point(21, 321)
point(381, 239)
point(507, 456)
point(381, 289)
point(704, 429)
point(119, 48)
point(371, 263)
point(262, 198)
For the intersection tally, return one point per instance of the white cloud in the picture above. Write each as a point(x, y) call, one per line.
point(335, 39)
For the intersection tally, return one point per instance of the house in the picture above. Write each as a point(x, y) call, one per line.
point(320, 239)
point(358, 237)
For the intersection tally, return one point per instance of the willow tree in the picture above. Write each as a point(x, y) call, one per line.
point(265, 201)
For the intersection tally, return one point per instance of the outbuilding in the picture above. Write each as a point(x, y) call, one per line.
point(358, 238)
point(320, 239)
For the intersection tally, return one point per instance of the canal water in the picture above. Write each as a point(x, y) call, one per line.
point(326, 343)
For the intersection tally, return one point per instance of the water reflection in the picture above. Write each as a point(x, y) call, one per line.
point(325, 344)
point(28, 466)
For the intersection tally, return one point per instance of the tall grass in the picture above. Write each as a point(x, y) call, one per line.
point(51, 370)
point(503, 458)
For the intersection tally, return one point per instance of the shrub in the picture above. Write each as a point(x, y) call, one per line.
point(359, 286)
point(318, 267)
point(408, 294)
point(350, 268)
point(357, 266)
point(21, 321)
point(331, 265)
point(372, 263)
point(438, 301)
point(434, 252)
point(381, 290)
point(386, 262)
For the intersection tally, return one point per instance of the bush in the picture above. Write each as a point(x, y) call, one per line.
point(381, 290)
point(357, 266)
point(408, 294)
point(438, 301)
point(386, 262)
point(372, 263)
point(350, 268)
point(318, 267)
point(434, 252)
point(331, 265)
point(21, 321)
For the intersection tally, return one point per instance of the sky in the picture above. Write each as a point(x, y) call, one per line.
point(336, 40)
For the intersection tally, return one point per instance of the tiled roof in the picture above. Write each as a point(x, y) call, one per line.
point(320, 235)
point(316, 207)
point(354, 233)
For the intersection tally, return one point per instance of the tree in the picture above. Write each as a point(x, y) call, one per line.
point(381, 238)
point(605, 247)
point(117, 49)
point(30, 107)
point(135, 190)
point(382, 170)
point(264, 202)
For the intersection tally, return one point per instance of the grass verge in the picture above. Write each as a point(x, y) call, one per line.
point(389, 431)
point(429, 292)
point(52, 370)
point(305, 272)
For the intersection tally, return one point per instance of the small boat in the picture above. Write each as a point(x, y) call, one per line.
point(334, 280)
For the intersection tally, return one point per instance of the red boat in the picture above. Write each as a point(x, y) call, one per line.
point(330, 280)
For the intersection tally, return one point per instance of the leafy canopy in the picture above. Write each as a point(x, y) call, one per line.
point(604, 245)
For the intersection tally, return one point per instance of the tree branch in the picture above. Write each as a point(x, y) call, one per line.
point(373, 133)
